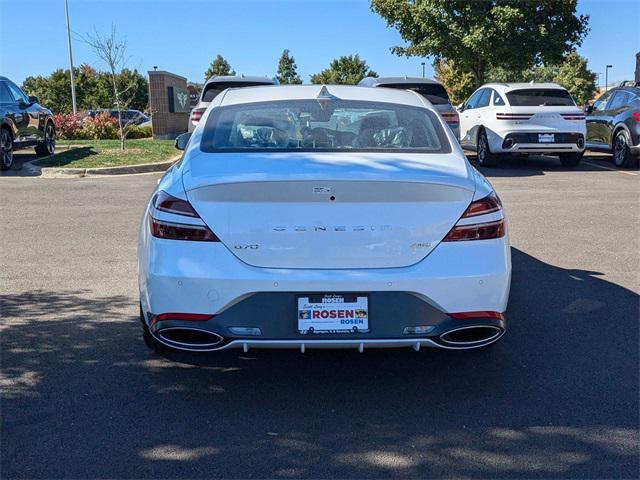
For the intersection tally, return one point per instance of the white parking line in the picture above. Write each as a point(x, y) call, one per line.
point(609, 168)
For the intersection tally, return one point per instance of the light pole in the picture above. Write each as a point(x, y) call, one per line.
point(606, 77)
point(73, 82)
point(422, 69)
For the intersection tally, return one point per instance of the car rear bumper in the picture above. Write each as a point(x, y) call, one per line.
point(529, 142)
point(394, 317)
point(206, 278)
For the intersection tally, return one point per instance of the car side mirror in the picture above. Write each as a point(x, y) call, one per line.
point(182, 140)
point(588, 109)
point(461, 107)
point(33, 99)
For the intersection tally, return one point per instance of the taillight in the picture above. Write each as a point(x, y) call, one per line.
point(181, 231)
point(196, 115)
point(573, 116)
point(451, 118)
point(170, 204)
point(481, 230)
point(489, 204)
point(513, 116)
point(636, 116)
point(174, 230)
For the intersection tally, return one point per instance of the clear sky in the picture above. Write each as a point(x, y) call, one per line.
point(184, 36)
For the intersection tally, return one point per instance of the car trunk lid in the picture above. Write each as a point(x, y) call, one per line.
point(327, 210)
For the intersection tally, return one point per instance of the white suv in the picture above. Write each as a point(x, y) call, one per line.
point(523, 118)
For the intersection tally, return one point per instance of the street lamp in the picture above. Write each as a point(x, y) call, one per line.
point(422, 69)
point(73, 83)
point(606, 77)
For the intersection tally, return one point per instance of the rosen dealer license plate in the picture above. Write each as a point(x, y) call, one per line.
point(333, 313)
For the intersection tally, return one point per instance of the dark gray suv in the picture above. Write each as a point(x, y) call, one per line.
point(25, 123)
point(613, 125)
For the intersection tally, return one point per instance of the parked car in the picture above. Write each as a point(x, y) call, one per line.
point(523, 118)
point(613, 125)
point(128, 116)
point(25, 123)
point(322, 217)
point(216, 85)
point(430, 89)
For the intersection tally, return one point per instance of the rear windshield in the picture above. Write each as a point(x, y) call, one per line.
point(433, 92)
point(331, 125)
point(214, 89)
point(540, 97)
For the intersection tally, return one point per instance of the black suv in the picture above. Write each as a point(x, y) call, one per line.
point(25, 123)
point(613, 125)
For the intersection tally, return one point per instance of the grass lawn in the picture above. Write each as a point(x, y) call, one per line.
point(106, 153)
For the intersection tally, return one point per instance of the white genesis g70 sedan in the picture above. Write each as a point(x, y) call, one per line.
point(322, 217)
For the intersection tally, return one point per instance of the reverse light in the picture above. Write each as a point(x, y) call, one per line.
point(482, 230)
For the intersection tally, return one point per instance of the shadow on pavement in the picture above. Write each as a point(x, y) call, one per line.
point(556, 397)
point(527, 166)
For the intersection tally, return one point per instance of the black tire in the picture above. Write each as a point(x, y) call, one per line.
point(48, 145)
point(149, 341)
point(571, 160)
point(6, 149)
point(622, 155)
point(484, 155)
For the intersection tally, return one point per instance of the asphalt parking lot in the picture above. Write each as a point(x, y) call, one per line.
point(557, 397)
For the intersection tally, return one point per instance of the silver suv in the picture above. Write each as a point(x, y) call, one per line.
point(215, 86)
point(430, 89)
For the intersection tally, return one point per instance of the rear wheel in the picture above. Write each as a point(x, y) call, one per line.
point(6, 149)
point(571, 160)
point(622, 155)
point(485, 157)
point(48, 145)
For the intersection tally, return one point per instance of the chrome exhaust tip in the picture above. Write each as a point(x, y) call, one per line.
point(471, 336)
point(189, 338)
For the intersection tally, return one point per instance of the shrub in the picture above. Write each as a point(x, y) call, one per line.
point(68, 126)
point(102, 127)
point(135, 131)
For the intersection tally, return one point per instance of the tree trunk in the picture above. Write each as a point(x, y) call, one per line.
point(117, 97)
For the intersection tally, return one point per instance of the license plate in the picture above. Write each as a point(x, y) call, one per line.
point(546, 138)
point(333, 313)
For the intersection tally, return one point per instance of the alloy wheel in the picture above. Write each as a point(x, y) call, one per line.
point(50, 139)
point(482, 149)
point(6, 149)
point(620, 149)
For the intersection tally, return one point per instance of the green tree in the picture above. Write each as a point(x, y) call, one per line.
point(346, 70)
point(574, 75)
point(458, 83)
point(53, 91)
point(93, 89)
point(219, 67)
point(287, 70)
point(480, 35)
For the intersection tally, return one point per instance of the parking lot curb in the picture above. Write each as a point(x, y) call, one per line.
point(57, 172)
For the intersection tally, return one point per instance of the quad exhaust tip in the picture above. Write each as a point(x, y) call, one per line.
point(471, 336)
